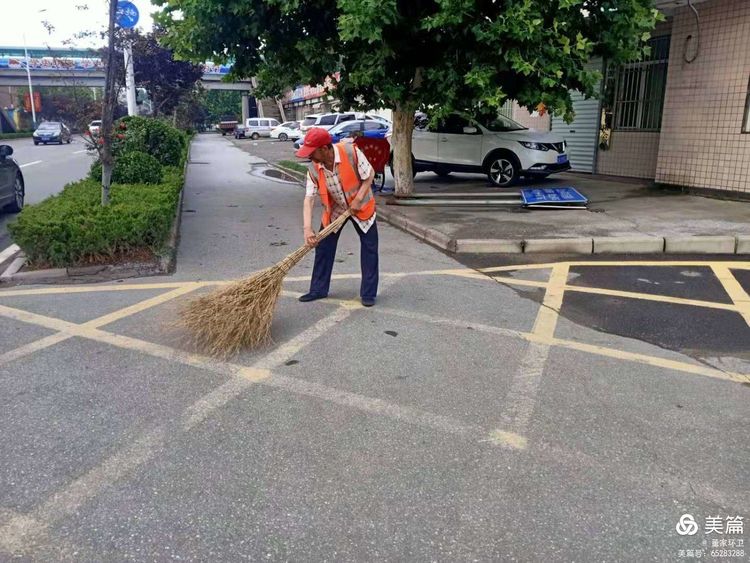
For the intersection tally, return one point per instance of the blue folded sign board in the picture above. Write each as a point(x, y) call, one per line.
point(553, 197)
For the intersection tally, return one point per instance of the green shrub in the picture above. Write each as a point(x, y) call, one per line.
point(131, 168)
point(73, 228)
point(155, 137)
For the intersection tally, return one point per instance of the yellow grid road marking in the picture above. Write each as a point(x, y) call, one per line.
point(546, 320)
point(739, 265)
point(736, 293)
point(625, 294)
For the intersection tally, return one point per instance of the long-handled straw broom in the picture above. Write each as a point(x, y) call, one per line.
point(239, 315)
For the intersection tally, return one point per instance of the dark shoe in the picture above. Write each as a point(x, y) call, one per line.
point(311, 297)
point(368, 302)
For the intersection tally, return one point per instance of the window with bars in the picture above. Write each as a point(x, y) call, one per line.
point(639, 89)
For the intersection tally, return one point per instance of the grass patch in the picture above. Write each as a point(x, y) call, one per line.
point(291, 165)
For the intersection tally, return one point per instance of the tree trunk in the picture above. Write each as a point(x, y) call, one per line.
point(403, 126)
point(110, 99)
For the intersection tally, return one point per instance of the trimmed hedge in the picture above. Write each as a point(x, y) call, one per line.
point(131, 168)
point(73, 228)
point(154, 137)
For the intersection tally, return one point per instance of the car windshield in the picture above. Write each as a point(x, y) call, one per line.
point(502, 123)
point(49, 126)
point(346, 126)
point(96, 123)
point(309, 121)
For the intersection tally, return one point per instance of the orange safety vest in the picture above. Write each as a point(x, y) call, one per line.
point(348, 173)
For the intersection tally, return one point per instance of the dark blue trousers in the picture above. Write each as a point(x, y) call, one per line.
point(325, 255)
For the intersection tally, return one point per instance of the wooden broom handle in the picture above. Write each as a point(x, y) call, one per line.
point(335, 225)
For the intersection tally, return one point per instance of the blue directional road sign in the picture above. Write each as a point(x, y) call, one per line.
point(127, 14)
point(553, 197)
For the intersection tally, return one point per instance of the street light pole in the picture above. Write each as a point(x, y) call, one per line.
point(31, 89)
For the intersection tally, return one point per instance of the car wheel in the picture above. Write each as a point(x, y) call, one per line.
point(36, 143)
point(255, 136)
point(283, 137)
point(502, 170)
point(60, 142)
point(443, 172)
point(18, 193)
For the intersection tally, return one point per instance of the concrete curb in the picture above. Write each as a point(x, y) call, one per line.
point(640, 244)
point(14, 266)
point(700, 245)
point(296, 174)
point(488, 246)
point(559, 246)
point(628, 245)
point(168, 255)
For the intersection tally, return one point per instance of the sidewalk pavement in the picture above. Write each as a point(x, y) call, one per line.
point(624, 216)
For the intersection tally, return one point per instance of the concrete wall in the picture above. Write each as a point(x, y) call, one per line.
point(701, 143)
point(630, 153)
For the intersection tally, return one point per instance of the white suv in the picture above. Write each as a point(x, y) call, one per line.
point(330, 120)
point(500, 148)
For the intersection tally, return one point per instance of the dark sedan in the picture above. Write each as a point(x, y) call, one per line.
point(52, 132)
point(11, 181)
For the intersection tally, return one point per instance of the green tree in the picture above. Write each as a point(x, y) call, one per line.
point(223, 102)
point(167, 79)
point(413, 54)
point(74, 105)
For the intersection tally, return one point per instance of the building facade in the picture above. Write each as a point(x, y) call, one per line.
point(681, 116)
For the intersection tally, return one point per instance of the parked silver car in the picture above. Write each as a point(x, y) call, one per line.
point(12, 187)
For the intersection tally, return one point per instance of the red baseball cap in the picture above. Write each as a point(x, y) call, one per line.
point(314, 139)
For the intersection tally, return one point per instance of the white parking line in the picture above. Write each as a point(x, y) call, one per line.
point(79, 152)
point(30, 164)
point(8, 252)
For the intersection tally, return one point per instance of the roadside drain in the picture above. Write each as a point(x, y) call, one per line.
point(273, 174)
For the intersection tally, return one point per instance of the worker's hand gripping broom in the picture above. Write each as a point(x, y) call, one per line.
point(239, 316)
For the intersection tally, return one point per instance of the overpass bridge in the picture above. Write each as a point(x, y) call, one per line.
point(75, 67)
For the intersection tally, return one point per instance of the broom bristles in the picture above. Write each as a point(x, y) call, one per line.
point(239, 315)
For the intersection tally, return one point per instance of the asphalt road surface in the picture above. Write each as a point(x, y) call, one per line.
point(556, 411)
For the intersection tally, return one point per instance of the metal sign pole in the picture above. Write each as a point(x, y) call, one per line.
point(130, 79)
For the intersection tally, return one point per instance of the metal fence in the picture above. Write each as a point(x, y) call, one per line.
point(639, 92)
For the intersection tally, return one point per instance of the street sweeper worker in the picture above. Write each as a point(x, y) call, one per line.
point(342, 177)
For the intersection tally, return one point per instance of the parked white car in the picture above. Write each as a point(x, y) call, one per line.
point(501, 148)
point(327, 120)
point(95, 126)
point(309, 122)
point(286, 131)
point(255, 127)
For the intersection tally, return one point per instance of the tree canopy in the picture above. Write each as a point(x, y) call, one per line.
point(410, 54)
point(167, 80)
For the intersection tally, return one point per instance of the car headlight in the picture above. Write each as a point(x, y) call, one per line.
point(534, 146)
